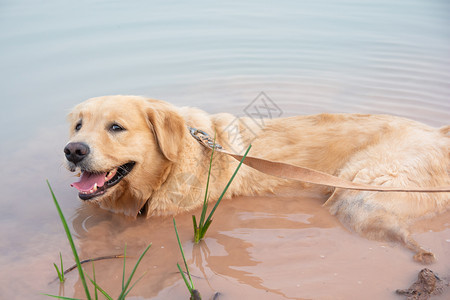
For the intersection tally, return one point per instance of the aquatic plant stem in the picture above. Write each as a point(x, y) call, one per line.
point(125, 289)
point(93, 275)
point(228, 184)
point(182, 253)
point(60, 271)
point(195, 295)
point(202, 228)
point(205, 200)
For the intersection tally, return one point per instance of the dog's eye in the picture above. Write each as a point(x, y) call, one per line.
point(78, 126)
point(116, 128)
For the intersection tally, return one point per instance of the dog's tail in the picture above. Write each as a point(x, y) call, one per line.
point(445, 130)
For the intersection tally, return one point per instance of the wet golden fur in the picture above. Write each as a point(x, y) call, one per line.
point(171, 167)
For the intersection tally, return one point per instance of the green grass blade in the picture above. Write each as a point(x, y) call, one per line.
point(205, 228)
point(184, 278)
point(182, 253)
point(194, 222)
point(123, 272)
point(100, 289)
point(62, 267)
point(124, 290)
point(93, 274)
point(72, 244)
point(228, 184)
point(196, 230)
point(205, 200)
point(139, 279)
point(61, 297)
point(59, 273)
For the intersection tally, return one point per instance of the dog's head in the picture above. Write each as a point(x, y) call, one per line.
point(124, 147)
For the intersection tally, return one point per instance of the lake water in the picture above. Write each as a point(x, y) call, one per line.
point(389, 57)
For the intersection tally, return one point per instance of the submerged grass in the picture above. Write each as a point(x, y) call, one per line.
point(126, 288)
point(201, 228)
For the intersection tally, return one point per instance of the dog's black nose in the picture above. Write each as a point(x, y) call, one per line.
point(76, 152)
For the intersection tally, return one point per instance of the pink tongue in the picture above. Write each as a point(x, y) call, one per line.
point(88, 180)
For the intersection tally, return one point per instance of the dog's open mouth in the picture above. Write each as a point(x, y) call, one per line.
point(93, 184)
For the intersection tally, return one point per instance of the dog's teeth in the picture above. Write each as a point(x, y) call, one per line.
point(95, 187)
point(110, 175)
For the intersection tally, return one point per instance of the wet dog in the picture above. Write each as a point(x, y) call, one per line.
point(136, 156)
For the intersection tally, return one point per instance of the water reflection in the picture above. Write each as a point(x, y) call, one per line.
point(226, 253)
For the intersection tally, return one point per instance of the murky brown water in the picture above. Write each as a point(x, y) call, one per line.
point(274, 247)
point(322, 56)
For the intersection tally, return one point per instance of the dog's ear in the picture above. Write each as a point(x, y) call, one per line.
point(168, 126)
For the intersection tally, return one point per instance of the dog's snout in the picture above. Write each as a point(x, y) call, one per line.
point(76, 152)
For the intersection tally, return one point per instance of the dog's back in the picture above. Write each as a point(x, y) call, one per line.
point(371, 149)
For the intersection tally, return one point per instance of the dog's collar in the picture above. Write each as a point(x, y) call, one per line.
point(203, 137)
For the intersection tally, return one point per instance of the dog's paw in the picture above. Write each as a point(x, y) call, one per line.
point(425, 257)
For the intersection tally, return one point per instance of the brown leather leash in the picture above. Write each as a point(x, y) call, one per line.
point(288, 171)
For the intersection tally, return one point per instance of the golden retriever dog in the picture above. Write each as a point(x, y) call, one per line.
point(137, 156)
